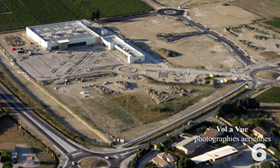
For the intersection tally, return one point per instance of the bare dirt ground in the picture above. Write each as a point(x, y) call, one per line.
point(216, 16)
point(268, 75)
point(204, 51)
point(93, 162)
point(146, 128)
point(269, 54)
point(226, 16)
point(264, 8)
point(8, 134)
point(272, 109)
point(102, 110)
point(143, 32)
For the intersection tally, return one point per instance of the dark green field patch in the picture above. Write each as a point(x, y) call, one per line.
point(275, 22)
point(36, 12)
point(272, 95)
point(3, 8)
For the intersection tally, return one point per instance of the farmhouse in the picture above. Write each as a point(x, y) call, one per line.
point(164, 160)
point(217, 156)
point(78, 33)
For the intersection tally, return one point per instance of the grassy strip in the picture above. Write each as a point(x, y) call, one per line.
point(271, 95)
point(275, 22)
point(153, 81)
point(241, 90)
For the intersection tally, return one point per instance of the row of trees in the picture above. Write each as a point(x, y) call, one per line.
point(238, 106)
point(95, 15)
point(185, 162)
point(266, 164)
point(135, 161)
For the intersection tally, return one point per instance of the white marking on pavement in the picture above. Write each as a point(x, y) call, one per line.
point(74, 154)
point(65, 145)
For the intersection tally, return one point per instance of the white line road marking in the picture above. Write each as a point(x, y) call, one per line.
point(74, 154)
point(65, 145)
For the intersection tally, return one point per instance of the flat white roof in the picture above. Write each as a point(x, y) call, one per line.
point(201, 158)
point(63, 41)
point(122, 44)
point(70, 30)
point(222, 152)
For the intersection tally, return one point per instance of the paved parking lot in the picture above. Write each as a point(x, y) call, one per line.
point(74, 61)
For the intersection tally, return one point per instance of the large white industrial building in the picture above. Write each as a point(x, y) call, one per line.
point(217, 156)
point(76, 33)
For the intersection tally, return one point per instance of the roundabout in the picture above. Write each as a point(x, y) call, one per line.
point(94, 162)
point(171, 12)
point(128, 69)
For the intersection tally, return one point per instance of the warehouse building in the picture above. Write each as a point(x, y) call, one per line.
point(63, 35)
point(217, 156)
point(77, 33)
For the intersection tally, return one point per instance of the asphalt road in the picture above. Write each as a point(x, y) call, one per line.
point(179, 14)
point(71, 150)
point(173, 38)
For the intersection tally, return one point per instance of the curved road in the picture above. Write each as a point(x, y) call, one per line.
point(71, 150)
point(179, 14)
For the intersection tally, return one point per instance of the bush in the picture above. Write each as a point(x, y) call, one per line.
point(274, 131)
point(266, 164)
point(7, 164)
point(3, 115)
point(135, 161)
point(150, 165)
point(200, 124)
point(5, 156)
point(235, 121)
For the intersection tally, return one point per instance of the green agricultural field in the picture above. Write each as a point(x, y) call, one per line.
point(3, 8)
point(271, 95)
point(275, 22)
point(35, 12)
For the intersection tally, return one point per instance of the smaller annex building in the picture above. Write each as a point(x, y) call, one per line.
point(217, 156)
